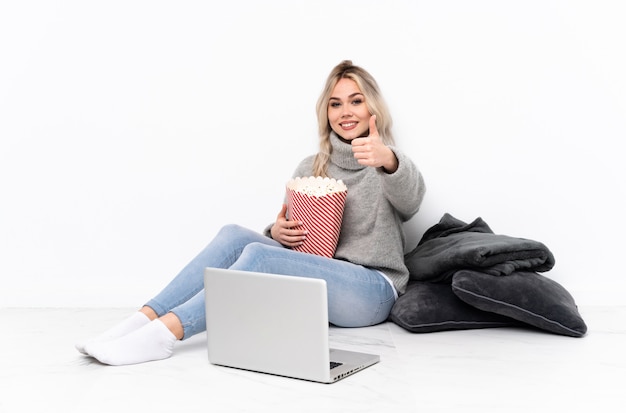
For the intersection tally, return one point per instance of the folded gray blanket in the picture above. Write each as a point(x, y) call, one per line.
point(452, 245)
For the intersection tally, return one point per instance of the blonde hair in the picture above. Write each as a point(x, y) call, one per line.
point(373, 99)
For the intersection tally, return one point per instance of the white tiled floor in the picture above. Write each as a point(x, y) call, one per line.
point(492, 370)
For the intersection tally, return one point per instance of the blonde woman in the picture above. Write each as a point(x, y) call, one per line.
point(367, 272)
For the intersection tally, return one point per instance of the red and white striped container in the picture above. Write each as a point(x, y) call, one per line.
point(318, 203)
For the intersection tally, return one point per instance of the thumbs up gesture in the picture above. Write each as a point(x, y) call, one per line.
point(371, 151)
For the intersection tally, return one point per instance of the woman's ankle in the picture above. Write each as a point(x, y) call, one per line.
point(149, 312)
point(172, 322)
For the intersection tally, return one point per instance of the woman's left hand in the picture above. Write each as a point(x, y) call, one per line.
point(371, 151)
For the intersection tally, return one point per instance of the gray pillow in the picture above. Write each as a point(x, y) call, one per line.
point(524, 296)
point(452, 245)
point(427, 307)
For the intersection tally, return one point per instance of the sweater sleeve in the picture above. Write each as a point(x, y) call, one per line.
point(404, 188)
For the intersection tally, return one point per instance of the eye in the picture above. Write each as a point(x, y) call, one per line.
point(334, 104)
point(356, 102)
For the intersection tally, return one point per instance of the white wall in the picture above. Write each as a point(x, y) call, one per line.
point(131, 131)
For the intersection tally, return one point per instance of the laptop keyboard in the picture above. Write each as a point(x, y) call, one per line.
point(334, 364)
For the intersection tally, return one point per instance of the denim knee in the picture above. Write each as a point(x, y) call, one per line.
point(251, 258)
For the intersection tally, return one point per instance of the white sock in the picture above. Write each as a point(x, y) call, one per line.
point(132, 323)
point(154, 341)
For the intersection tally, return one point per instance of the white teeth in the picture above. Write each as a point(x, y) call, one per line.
point(348, 125)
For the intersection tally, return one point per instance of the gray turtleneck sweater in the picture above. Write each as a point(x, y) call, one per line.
point(376, 206)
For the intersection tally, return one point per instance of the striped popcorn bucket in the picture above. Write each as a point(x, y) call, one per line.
point(318, 203)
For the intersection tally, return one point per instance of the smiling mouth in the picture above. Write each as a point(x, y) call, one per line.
point(348, 125)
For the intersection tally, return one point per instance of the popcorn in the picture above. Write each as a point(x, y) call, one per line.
point(316, 186)
point(318, 203)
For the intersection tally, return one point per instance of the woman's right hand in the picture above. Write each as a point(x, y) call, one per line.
point(284, 230)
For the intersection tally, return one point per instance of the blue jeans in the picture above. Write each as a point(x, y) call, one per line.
point(357, 296)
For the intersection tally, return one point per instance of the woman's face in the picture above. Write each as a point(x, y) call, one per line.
point(347, 112)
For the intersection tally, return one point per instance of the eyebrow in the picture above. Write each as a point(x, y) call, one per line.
point(351, 96)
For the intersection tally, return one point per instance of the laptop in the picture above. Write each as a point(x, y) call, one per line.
point(274, 324)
